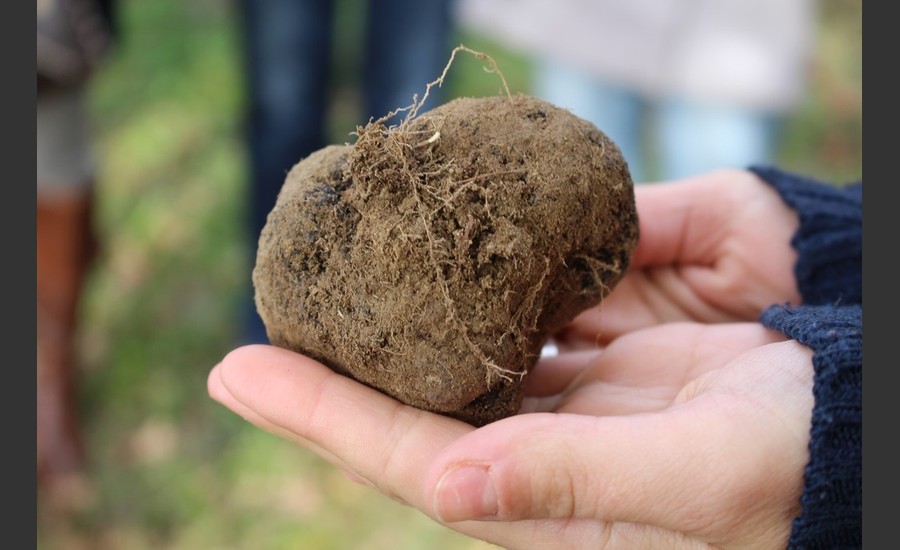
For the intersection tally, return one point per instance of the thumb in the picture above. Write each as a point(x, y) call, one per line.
point(647, 468)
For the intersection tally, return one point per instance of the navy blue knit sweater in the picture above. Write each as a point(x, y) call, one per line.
point(829, 321)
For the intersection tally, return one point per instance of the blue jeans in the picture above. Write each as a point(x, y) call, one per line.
point(662, 139)
point(288, 50)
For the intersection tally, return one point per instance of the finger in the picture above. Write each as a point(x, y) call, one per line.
point(218, 391)
point(642, 299)
point(645, 298)
point(656, 468)
point(362, 431)
point(549, 378)
point(552, 375)
point(677, 218)
point(674, 353)
point(641, 371)
point(711, 228)
point(371, 434)
point(645, 371)
point(681, 223)
point(582, 332)
point(636, 469)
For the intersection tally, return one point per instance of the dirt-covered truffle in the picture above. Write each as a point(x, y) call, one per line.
point(433, 260)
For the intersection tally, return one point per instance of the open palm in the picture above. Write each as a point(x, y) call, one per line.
point(682, 435)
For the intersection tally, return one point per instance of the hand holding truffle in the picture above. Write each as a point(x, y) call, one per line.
point(714, 248)
point(680, 435)
point(675, 434)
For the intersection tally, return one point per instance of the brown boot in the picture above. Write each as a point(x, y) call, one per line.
point(65, 249)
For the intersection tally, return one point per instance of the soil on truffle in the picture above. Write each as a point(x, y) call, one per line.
point(433, 260)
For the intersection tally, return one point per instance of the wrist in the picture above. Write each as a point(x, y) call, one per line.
point(829, 238)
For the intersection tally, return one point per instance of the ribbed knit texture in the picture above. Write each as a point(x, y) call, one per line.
point(829, 277)
point(832, 494)
point(829, 240)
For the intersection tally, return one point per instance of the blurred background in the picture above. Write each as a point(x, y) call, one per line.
point(162, 303)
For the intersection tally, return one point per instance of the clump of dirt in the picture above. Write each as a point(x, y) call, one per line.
point(433, 260)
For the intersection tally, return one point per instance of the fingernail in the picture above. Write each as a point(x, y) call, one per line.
point(464, 493)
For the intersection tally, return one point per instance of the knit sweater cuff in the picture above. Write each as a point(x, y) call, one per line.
point(831, 515)
point(829, 240)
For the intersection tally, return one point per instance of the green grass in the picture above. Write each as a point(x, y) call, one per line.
point(169, 467)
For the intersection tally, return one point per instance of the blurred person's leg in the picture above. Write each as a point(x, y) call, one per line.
point(695, 137)
point(66, 245)
point(407, 46)
point(615, 110)
point(287, 49)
